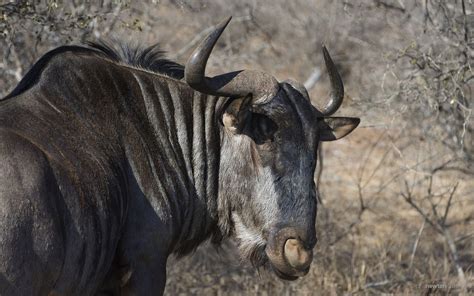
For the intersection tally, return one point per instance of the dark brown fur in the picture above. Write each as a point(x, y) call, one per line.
point(132, 165)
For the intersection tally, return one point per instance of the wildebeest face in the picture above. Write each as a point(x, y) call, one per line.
point(269, 138)
point(270, 149)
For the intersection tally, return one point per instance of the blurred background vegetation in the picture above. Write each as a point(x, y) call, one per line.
point(397, 206)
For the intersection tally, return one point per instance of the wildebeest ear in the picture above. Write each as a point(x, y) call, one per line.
point(236, 114)
point(334, 128)
point(238, 118)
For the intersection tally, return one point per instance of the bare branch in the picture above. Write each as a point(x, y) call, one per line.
point(448, 205)
point(415, 244)
point(454, 254)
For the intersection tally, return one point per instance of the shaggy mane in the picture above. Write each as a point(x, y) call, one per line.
point(151, 58)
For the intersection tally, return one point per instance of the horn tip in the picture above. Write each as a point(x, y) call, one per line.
point(326, 53)
point(219, 28)
point(224, 23)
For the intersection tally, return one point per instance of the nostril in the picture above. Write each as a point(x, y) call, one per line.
point(297, 255)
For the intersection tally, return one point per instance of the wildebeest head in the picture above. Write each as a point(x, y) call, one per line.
point(268, 157)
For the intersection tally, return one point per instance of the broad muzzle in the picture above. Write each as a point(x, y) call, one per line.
point(290, 251)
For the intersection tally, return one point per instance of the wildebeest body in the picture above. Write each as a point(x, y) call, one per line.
point(107, 168)
point(100, 131)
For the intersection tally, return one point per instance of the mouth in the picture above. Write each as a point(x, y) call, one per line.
point(262, 252)
point(260, 258)
point(285, 276)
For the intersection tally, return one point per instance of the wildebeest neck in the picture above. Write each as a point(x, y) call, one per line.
point(185, 133)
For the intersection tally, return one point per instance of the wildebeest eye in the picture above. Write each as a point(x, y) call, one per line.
point(261, 128)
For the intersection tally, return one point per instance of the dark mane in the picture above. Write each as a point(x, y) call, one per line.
point(150, 58)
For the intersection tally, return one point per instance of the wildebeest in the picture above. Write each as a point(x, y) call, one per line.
point(108, 167)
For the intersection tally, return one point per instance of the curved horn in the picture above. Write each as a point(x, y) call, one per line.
point(261, 85)
point(337, 88)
